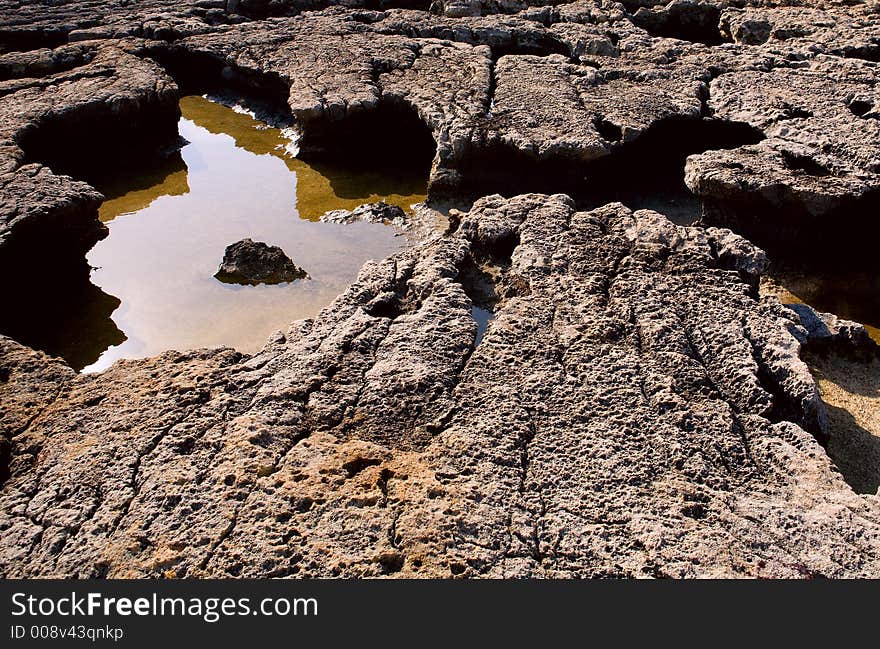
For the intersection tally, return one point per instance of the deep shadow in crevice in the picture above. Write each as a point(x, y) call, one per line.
point(86, 143)
point(697, 22)
point(786, 408)
point(843, 239)
point(645, 173)
point(864, 52)
point(479, 282)
point(24, 39)
point(390, 138)
point(259, 9)
point(540, 45)
point(64, 315)
point(805, 164)
point(421, 5)
point(197, 73)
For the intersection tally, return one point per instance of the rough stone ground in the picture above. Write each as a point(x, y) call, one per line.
point(555, 90)
point(633, 408)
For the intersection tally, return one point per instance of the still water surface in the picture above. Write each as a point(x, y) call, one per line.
point(170, 224)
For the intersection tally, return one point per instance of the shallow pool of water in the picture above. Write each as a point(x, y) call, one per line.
point(170, 223)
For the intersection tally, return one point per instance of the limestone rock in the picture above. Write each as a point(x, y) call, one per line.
point(824, 329)
point(632, 410)
point(379, 212)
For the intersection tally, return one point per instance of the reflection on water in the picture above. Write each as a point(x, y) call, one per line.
point(68, 317)
point(482, 317)
point(853, 295)
point(320, 187)
point(170, 225)
point(127, 194)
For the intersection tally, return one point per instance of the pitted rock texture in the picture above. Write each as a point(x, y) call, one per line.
point(632, 410)
point(539, 91)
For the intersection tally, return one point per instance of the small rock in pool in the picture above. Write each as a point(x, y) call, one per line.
point(254, 262)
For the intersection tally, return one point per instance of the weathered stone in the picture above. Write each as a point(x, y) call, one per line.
point(848, 31)
point(817, 173)
point(632, 410)
point(380, 212)
point(255, 262)
point(40, 211)
point(824, 329)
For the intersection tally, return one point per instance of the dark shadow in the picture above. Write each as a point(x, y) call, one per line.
point(540, 45)
point(258, 9)
point(390, 141)
point(844, 238)
point(645, 173)
point(854, 375)
point(86, 143)
point(67, 318)
point(22, 39)
point(478, 283)
point(198, 73)
point(697, 22)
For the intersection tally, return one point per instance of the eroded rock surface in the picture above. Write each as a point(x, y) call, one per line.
point(816, 176)
point(513, 96)
point(632, 410)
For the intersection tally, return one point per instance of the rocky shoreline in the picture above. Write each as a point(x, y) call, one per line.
point(634, 408)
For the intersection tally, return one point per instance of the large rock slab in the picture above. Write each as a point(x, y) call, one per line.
point(816, 176)
point(632, 410)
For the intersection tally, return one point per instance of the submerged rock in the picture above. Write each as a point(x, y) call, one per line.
point(254, 262)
